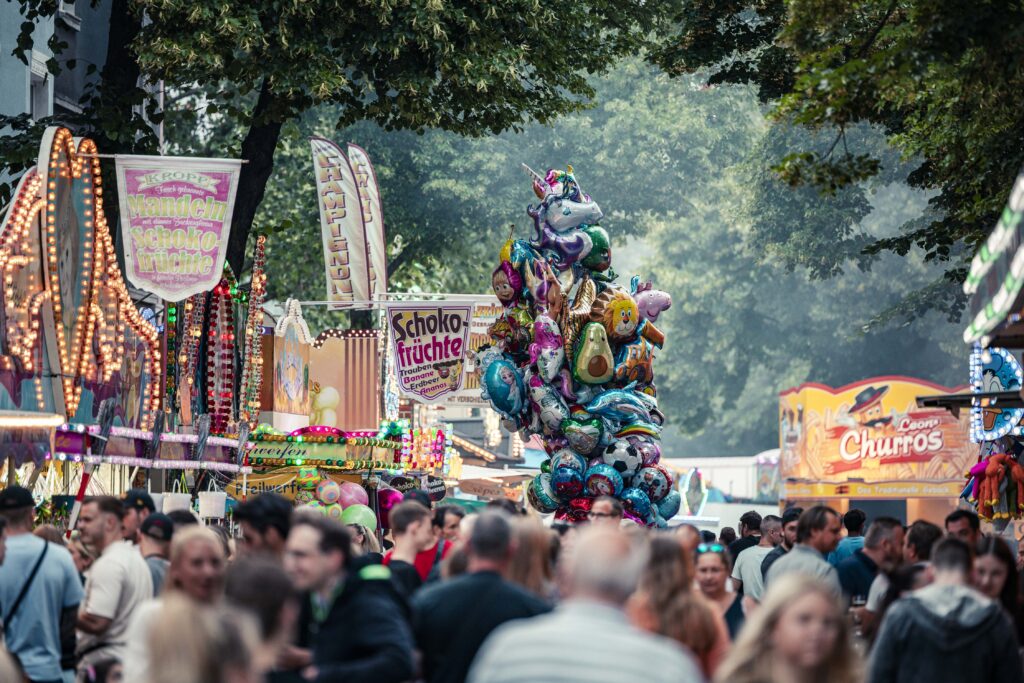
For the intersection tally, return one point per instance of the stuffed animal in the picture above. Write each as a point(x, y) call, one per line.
point(1017, 475)
point(995, 470)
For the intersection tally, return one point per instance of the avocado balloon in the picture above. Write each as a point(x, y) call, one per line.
point(593, 362)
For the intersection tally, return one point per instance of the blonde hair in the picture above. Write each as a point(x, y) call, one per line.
point(531, 566)
point(751, 661)
point(192, 643)
point(369, 544)
point(84, 550)
point(191, 534)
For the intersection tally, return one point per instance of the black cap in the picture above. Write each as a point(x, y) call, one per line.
point(418, 495)
point(138, 499)
point(157, 525)
point(265, 511)
point(16, 498)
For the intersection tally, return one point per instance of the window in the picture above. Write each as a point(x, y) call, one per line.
point(39, 94)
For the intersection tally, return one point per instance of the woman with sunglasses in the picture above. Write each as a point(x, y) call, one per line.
point(712, 569)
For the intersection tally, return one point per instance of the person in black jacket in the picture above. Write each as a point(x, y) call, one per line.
point(452, 619)
point(353, 625)
point(947, 631)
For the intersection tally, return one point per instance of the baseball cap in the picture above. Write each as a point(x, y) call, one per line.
point(158, 525)
point(138, 499)
point(15, 498)
point(418, 495)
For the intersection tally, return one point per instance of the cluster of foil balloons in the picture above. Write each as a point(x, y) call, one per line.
point(572, 359)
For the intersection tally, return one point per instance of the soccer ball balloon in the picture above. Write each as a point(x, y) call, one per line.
point(624, 457)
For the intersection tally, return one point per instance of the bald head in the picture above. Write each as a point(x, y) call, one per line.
point(491, 538)
point(605, 565)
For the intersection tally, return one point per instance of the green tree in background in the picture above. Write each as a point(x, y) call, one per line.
point(941, 78)
point(678, 169)
point(466, 67)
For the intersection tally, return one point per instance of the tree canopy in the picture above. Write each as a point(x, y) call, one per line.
point(941, 79)
point(679, 170)
point(467, 67)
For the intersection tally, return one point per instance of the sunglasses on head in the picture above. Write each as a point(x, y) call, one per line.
point(710, 548)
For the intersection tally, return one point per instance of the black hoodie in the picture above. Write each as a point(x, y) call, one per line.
point(946, 633)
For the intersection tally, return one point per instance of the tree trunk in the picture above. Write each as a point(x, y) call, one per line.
point(258, 149)
point(118, 92)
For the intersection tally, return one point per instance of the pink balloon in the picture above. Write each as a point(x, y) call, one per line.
point(352, 494)
point(386, 499)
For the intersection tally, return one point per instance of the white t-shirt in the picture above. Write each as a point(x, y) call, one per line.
point(118, 583)
point(879, 587)
point(748, 570)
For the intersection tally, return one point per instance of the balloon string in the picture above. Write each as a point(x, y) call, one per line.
point(511, 231)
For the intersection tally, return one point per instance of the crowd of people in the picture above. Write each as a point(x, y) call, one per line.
point(497, 597)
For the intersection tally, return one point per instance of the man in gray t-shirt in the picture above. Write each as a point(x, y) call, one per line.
point(155, 543)
point(817, 534)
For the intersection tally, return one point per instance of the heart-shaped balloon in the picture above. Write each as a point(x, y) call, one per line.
point(583, 435)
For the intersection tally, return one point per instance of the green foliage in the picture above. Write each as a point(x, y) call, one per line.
point(679, 170)
point(465, 67)
point(462, 66)
point(941, 78)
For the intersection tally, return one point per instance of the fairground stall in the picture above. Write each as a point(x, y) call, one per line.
point(868, 445)
point(995, 336)
point(85, 399)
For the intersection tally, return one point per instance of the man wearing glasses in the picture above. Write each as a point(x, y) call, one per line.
point(606, 512)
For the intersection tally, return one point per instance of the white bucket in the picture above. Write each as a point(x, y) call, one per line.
point(212, 504)
point(177, 501)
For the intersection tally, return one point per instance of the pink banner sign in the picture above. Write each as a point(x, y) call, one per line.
point(175, 221)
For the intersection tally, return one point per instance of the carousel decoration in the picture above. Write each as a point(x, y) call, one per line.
point(66, 309)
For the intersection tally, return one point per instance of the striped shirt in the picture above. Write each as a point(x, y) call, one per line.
point(581, 642)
